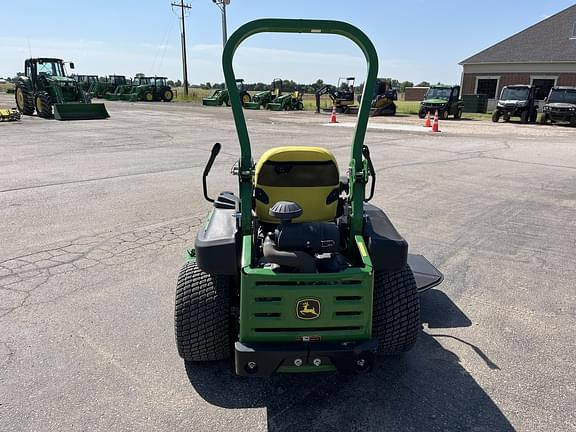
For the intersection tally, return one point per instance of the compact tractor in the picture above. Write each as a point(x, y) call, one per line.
point(220, 97)
point(263, 98)
point(44, 87)
point(299, 272)
point(288, 102)
point(517, 101)
point(149, 89)
point(442, 98)
point(560, 106)
point(342, 96)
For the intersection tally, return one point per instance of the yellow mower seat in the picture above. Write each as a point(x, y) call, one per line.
point(307, 176)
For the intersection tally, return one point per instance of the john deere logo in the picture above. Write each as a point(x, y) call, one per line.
point(308, 309)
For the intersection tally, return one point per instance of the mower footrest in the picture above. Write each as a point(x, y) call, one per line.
point(262, 359)
point(427, 276)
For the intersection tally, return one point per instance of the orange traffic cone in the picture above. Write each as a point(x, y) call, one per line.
point(435, 125)
point(427, 123)
point(333, 116)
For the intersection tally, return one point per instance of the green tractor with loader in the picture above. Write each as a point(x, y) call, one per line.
point(222, 96)
point(46, 89)
point(288, 102)
point(263, 98)
point(442, 98)
point(299, 272)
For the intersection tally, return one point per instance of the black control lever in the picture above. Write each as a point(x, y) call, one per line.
point(213, 153)
point(366, 154)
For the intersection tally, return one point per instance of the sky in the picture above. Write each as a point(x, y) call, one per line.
point(416, 40)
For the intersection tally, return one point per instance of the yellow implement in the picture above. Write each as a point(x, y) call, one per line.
point(9, 114)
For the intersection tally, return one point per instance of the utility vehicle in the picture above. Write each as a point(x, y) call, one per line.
point(517, 101)
point(560, 106)
point(444, 99)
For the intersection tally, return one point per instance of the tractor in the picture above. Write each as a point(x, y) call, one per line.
point(299, 272)
point(442, 98)
point(44, 87)
point(108, 85)
point(517, 101)
point(342, 96)
point(288, 102)
point(263, 98)
point(86, 81)
point(221, 96)
point(149, 89)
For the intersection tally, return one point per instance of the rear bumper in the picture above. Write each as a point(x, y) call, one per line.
point(262, 359)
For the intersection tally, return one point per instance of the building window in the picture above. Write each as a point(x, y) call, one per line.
point(573, 32)
point(543, 86)
point(487, 86)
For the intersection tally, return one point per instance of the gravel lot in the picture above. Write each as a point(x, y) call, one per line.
point(97, 215)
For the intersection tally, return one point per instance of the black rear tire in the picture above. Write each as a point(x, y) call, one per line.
point(421, 114)
point(543, 119)
point(43, 104)
point(202, 315)
point(458, 114)
point(24, 99)
point(533, 115)
point(396, 315)
point(495, 116)
point(524, 117)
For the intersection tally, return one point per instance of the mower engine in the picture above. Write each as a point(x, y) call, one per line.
point(301, 247)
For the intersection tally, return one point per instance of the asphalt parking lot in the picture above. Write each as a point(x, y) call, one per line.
point(96, 217)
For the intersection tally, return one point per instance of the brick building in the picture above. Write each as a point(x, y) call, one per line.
point(543, 55)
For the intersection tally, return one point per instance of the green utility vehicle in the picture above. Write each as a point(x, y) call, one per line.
point(299, 273)
point(263, 98)
point(560, 106)
point(86, 81)
point(444, 99)
point(44, 87)
point(517, 101)
point(222, 96)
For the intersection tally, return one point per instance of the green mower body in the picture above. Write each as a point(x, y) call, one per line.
point(284, 281)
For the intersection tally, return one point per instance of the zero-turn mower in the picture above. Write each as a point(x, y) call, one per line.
point(299, 273)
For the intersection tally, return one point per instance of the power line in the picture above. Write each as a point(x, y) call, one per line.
point(183, 7)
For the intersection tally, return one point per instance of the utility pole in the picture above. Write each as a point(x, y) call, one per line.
point(183, 7)
point(222, 5)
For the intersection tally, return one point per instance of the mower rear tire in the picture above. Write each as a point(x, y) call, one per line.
point(43, 104)
point(396, 314)
point(202, 315)
point(24, 100)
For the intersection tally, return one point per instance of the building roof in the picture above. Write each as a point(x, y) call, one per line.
point(550, 40)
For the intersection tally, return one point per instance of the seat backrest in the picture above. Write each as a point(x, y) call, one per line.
point(307, 176)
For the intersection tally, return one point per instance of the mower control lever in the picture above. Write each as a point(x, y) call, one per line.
point(366, 154)
point(213, 153)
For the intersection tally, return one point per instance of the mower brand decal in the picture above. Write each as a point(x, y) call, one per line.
point(308, 309)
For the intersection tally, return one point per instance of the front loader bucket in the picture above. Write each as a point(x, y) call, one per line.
point(210, 101)
point(252, 105)
point(80, 111)
point(275, 107)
